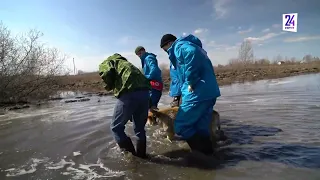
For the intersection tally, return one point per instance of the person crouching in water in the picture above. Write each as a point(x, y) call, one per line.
point(153, 73)
point(199, 90)
point(175, 87)
point(131, 89)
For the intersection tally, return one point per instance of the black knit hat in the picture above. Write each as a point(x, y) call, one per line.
point(166, 39)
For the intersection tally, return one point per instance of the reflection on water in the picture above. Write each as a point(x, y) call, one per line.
point(274, 125)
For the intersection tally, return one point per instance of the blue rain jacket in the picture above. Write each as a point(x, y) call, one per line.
point(150, 67)
point(175, 85)
point(194, 68)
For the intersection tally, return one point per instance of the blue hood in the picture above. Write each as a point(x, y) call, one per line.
point(186, 39)
point(192, 39)
point(143, 57)
point(195, 70)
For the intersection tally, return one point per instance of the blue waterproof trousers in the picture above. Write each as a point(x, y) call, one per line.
point(155, 96)
point(194, 118)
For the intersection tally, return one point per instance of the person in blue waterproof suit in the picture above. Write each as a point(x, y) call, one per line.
point(199, 90)
point(153, 73)
point(175, 87)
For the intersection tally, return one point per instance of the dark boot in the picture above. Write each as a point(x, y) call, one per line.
point(201, 144)
point(193, 143)
point(207, 146)
point(141, 149)
point(127, 146)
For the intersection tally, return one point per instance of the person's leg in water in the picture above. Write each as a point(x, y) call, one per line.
point(203, 127)
point(193, 125)
point(155, 96)
point(123, 111)
point(140, 116)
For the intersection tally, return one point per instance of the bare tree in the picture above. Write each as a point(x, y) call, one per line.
point(234, 61)
point(262, 62)
point(293, 59)
point(316, 59)
point(28, 69)
point(80, 72)
point(307, 58)
point(165, 70)
point(164, 66)
point(246, 53)
point(277, 59)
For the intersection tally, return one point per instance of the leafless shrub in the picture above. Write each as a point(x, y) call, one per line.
point(245, 56)
point(28, 68)
point(246, 53)
point(165, 71)
point(262, 62)
point(80, 72)
point(234, 62)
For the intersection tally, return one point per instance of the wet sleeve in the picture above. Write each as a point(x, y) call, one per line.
point(191, 60)
point(152, 64)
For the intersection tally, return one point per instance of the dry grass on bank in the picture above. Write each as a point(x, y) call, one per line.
point(228, 74)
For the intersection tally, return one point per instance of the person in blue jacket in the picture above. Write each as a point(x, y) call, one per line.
point(175, 87)
point(199, 90)
point(152, 72)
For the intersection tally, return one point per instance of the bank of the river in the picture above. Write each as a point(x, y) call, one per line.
point(92, 84)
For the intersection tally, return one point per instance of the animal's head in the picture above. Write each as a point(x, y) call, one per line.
point(165, 115)
point(152, 119)
point(216, 132)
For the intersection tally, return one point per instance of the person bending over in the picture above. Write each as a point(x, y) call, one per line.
point(131, 89)
point(153, 73)
point(199, 90)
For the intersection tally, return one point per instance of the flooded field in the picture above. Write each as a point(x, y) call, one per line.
point(274, 126)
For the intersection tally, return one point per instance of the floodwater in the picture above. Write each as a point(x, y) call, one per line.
point(274, 126)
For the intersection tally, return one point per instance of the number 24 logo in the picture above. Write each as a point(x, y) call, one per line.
point(290, 20)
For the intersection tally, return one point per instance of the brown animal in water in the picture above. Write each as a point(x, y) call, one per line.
point(151, 119)
point(167, 116)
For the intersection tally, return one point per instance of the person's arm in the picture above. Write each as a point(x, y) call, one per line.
point(151, 62)
point(107, 72)
point(192, 57)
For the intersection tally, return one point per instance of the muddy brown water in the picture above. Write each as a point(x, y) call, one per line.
point(274, 126)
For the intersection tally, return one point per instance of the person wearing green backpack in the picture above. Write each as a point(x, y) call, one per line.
point(131, 88)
